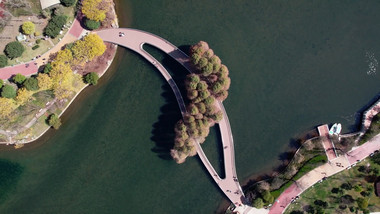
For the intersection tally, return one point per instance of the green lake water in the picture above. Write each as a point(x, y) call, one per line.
point(293, 65)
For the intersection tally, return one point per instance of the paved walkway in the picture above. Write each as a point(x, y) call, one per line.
point(316, 175)
point(134, 40)
point(31, 67)
point(326, 142)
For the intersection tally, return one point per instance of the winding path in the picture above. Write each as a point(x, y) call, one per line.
point(135, 39)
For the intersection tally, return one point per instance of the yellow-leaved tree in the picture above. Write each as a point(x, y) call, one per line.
point(85, 50)
point(62, 79)
point(28, 28)
point(64, 56)
point(7, 106)
point(23, 96)
point(44, 81)
point(92, 10)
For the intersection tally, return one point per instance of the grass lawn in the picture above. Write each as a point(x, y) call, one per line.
point(339, 199)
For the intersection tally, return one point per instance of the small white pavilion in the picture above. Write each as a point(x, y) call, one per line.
point(47, 3)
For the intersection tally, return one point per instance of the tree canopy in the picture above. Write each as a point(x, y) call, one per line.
point(91, 9)
point(54, 121)
point(85, 50)
point(55, 25)
point(3, 61)
point(19, 79)
point(31, 84)
point(14, 49)
point(91, 78)
point(91, 24)
point(7, 106)
point(28, 28)
point(8, 92)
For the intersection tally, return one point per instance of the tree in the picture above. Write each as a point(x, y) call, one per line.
point(91, 78)
point(258, 203)
point(1, 83)
point(267, 196)
point(85, 50)
point(28, 28)
point(55, 25)
point(296, 212)
point(90, 8)
point(7, 106)
point(62, 78)
point(14, 49)
point(346, 186)
point(68, 3)
point(47, 68)
point(8, 92)
point(64, 56)
point(23, 96)
point(31, 84)
point(54, 121)
point(44, 81)
point(19, 79)
point(362, 203)
point(91, 24)
point(3, 61)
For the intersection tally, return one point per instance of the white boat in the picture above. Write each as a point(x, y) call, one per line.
point(338, 129)
point(333, 129)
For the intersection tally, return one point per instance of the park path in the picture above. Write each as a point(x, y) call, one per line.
point(331, 168)
point(326, 142)
point(135, 39)
point(31, 67)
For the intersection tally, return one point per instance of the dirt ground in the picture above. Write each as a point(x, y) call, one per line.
point(12, 28)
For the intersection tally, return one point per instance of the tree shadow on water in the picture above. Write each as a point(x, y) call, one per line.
point(163, 130)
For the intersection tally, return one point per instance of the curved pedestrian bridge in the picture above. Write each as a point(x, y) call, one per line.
point(135, 39)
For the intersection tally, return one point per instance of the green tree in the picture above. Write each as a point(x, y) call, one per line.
point(362, 203)
point(14, 49)
point(8, 92)
point(91, 78)
point(1, 83)
point(31, 84)
point(55, 25)
point(54, 121)
point(91, 24)
point(28, 28)
point(267, 197)
point(258, 203)
point(47, 68)
point(19, 79)
point(3, 61)
point(68, 3)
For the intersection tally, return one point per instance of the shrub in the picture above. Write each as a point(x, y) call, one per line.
point(296, 212)
point(91, 24)
point(258, 203)
point(376, 158)
point(91, 78)
point(37, 33)
point(35, 47)
point(47, 68)
point(267, 196)
point(14, 49)
point(1, 83)
point(362, 203)
point(3, 61)
point(31, 84)
point(358, 188)
point(28, 28)
point(346, 186)
point(68, 3)
point(54, 121)
point(19, 79)
point(8, 92)
point(55, 25)
point(321, 203)
point(38, 41)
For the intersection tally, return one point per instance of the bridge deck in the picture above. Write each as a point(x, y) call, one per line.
point(326, 142)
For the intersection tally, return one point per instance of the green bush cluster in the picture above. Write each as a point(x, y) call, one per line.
point(3, 61)
point(55, 25)
point(35, 47)
point(54, 121)
point(14, 49)
point(91, 24)
point(8, 92)
point(31, 84)
point(91, 78)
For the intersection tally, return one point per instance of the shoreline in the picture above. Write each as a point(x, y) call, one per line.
point(113, 50)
